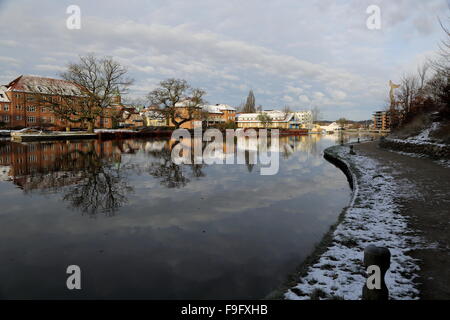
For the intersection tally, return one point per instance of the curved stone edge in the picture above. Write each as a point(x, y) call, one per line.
point(340, 251)
point(330, 154)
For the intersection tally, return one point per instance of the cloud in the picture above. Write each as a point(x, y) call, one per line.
point(303, 99)
point(50, 67)
point(9, 60)
point(297, 52)
point(338, 94)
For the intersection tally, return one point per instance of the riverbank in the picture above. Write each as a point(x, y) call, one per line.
point(378, 214)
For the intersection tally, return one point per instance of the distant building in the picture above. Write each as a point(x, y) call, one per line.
point(219, 113)
point(184, 108)
point(334, 126)
point(279, 120)
point(153, 118)
point(124, 116)
point(208, 115)
point(381, 120)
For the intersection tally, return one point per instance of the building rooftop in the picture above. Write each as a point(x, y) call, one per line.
point(34, 84)
point(3, 96)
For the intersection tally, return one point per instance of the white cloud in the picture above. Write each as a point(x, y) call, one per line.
point(50, 67)
point(303, 99)
point(296, 52)
point(9, 60)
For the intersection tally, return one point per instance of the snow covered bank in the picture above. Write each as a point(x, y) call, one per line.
point(420, 147)
point(372, 218)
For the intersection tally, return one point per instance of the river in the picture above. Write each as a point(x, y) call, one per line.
point(140, 226)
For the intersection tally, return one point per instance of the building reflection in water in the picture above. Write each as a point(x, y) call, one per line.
point(92, 174)
point(89, 174)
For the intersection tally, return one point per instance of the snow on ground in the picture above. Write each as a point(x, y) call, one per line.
point(425, 134)
point(423, 137)
point(372, 218)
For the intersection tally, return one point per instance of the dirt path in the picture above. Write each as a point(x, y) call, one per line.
point(429, 212)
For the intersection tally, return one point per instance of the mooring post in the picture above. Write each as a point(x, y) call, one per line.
point(376, 259)
point(351, 150)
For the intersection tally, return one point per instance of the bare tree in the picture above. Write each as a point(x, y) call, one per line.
point(442, 63)
point(177, 101)
point(100, 79)
point(408, 92)
point(287, 109)
point(87, 91)
point(342, 122)
point(422, 74)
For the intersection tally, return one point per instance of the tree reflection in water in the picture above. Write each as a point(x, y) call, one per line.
point(172, 175)
point(88, 174)
point(92, 175)
point(103, 187)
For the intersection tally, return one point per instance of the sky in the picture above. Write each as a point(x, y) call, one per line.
point(297, 53)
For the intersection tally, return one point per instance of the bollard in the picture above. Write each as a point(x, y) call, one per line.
point(381, 257)
point(358, 140)
point(351, 150)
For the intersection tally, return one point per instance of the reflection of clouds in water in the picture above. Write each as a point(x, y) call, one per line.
point(226, 189)
point(224, 225)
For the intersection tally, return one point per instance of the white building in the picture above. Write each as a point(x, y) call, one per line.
point(332, 127)
point(219, 113)
point(279, 119)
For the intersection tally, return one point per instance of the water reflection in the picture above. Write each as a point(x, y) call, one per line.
point(161, 230)
point(93, 178)
point(169, 174)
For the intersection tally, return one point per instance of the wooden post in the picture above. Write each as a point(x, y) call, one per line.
point(380, 257)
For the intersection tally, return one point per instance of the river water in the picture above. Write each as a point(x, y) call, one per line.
point(140, 226)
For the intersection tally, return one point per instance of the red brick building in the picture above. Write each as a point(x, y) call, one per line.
point(381, 120)
point(20, 105)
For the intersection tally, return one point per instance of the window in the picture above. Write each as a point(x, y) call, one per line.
point(18, 118)
point(31, 119)
point(6, 107)
point(31, 109)
point(6, 118)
